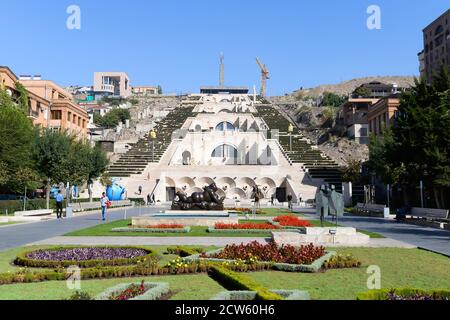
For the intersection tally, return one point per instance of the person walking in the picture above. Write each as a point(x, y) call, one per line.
point(289, 199)
point(153, 199)
point(272, 199)
point(149, 199)
point(104, 201)
point(140, 190)
point(59, 204)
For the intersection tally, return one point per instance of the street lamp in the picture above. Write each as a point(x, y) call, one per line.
point(290, 130)
point(153, 138)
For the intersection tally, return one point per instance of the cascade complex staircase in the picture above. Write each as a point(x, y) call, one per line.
point(144, 152)
point(317, 165)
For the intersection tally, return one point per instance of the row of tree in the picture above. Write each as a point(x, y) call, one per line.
point(32, 157)
point(417, 147)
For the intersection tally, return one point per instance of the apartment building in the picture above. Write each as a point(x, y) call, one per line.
point(354, 114)
point(436, 40)
point(145, 90)
point(115, 84)
point(64, 114)
point(38, 107)
point(382, 114)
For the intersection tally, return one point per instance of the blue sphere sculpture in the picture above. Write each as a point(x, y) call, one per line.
point(115, 192)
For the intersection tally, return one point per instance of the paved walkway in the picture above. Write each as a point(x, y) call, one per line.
point(22, 234)
point(432, 239)
point(194, 241)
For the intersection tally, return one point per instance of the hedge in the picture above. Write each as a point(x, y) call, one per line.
point(23, 260)
point(214, 230)
point(251, 295)
point(232, 280)
point(382, 294)
point(32, 204)
point(184, 251)
point(153, 230)
point(155, 290)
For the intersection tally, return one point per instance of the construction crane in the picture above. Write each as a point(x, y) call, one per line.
point(222, 71)
point(264, 77)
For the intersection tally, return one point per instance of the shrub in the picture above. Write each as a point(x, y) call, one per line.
point(234, 281)
point(246, 226)
point(80, 295)
point(135, 291)
point(84, 257)
point(292, 221)
point(167, 226)
point(405, 294)
point(340, 262)
point(184, 251)
point(270, 253)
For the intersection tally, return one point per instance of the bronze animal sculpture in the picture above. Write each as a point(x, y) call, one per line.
point(206, 200)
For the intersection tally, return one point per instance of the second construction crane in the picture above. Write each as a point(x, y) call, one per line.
point(264, 77)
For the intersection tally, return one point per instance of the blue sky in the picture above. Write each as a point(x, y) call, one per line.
point(176, 43)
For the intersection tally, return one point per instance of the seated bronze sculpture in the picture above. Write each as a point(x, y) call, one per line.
point(206, 200)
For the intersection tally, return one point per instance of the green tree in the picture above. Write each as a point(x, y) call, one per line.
point(112, 118)
point(362, 92)
point(51, 153)
point(352, 171)
point(22, 101)
point(98, 164)
point(331, 99)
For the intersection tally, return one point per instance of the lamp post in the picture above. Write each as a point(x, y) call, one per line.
point(290, 130)
point(153, 138)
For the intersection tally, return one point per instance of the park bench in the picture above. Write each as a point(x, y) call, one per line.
point(34, 213)
point(369, 208)
point(430, 214)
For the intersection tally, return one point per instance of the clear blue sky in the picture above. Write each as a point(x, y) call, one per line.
point(177, 43)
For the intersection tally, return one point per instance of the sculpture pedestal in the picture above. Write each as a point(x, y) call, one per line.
point(321, 236)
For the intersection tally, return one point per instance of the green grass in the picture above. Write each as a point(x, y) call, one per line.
point(105, 230)
point(187, 287)
point(399, 268)
point(316, 223)
point(9, 223)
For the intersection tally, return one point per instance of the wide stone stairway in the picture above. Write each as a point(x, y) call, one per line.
point(146, 151)
point(301, 151)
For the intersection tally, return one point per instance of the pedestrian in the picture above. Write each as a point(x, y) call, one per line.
point(153, 199)
point(59, 204)
point(289, 199)
point(149, 199)
point(104, 201)
point(140, 190)
point(272, 199)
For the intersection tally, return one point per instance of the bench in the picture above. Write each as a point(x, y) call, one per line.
point(33, 213)
point(370, 208)
point(430, 214)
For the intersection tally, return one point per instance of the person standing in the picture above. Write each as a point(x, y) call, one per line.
point(59, 204)
point(104, 201)
point(272, 199)
point(153, 199)
point(289, 199)
point(140, 190)
point(149, 199)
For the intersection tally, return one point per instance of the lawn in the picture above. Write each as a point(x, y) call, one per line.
point(399, 268)
point(9, 223)
point(105, 230)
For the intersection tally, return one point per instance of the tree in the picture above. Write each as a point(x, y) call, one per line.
point(112, 118)
point(98, 163)
point(352, 172)
point(362, 92)
point(51, 153)
point(22, 101)
point(331, 99)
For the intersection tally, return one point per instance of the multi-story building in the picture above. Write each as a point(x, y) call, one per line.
point(145, 90)
point(38, 107)
point(380, 90)
point(436, 39)
point(354, 115)
point(382, 114)
point(116, 84)
point(64, 114)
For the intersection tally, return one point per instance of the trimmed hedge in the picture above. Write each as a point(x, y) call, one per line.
point(214, 230)
point(23, 260)
point(153, 230)
point(155, 290)
point(382, 294)
point(184, 251)
point(233, 280)
point(251, 295)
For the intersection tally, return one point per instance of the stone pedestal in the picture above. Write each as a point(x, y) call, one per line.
point(321, 236)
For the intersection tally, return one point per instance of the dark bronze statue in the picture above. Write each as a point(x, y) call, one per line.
point(206, 200)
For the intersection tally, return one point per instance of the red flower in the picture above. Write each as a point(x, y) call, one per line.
point(246, 226)
point(292, 221)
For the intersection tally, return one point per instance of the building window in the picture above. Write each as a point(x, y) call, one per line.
point(225, 126)
point(224, 151)
point(69, 116)
point(56, 115)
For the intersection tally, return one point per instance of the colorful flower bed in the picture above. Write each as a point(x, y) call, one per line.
point(246, 226)
point(131, 292)
point(84, 257)
point(136, 291)
point(292, 221)
point(270, 253)
point(405, 294)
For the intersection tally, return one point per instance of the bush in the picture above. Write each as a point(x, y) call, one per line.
point(340, 262)
point(42, 258)
point(80, 295)
point(405, 294)
point(234, 281)
point(184, 251)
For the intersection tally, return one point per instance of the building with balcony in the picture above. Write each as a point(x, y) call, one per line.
point(354, 116)
point(145, 90)
point(116, 84)
point(382, 114)
point(380, 90)
point(436, 40)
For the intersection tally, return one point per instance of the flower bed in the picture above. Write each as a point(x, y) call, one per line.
point(405, 294)
point(339, 262)
point(285, 258)
point(246, 226)
point(292, 221)
point(84, 257)
point(252, 295)
point(135, 291)
point(153, 230)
